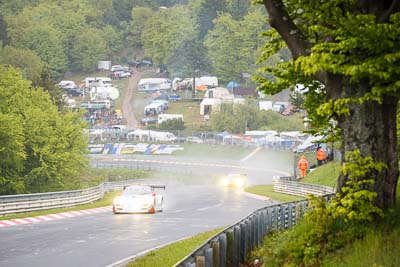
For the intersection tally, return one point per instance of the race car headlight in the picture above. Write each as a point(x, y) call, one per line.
point(225, 182)
point(239, 182)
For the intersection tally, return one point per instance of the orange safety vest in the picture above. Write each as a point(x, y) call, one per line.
point(303, 164)
point(320, 154)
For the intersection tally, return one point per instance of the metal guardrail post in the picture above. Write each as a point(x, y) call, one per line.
point(230, 248)
point(223, 247)
point(290, 215)
point(260, 229)
point(243, 250)
point(208, 257)
point(237, 248)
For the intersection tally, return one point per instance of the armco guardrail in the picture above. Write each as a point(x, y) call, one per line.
point(288, 185)
point(229, 247)
point(31, 202)
point(141, 167)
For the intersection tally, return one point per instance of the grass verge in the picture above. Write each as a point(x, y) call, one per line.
point(171, 254)
point(105, 201)
point(326, 174)
point(379, 247)
point(268, 191)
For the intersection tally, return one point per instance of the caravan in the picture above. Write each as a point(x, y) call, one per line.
point(97, 81)
point(153, 109)
point(154, 85)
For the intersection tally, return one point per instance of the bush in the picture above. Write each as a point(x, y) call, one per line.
point(327, 227)
point(172, 124)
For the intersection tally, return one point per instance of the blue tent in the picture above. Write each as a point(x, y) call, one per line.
point(231, 85)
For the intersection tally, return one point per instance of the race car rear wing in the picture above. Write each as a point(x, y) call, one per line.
point(157, 186)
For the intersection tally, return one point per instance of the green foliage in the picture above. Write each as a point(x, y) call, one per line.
point(166, 31)
point(89, 47)
point(172, 124)
point(188, 59)
point(44, 148)
point(297, 99)
point(356, 201)
point(327, 227)
point(233, 45)
point(27, 60)
point(140, 17)
point(241, 117)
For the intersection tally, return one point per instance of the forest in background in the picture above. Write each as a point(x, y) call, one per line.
point(222, 38)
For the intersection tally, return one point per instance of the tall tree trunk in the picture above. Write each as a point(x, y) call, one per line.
point(371, 128)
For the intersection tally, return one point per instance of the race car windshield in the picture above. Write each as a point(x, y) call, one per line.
point(142, 190)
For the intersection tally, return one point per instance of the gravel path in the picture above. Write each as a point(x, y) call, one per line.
point(128, 103)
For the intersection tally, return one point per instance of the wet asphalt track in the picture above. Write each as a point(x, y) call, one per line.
point(103, 239)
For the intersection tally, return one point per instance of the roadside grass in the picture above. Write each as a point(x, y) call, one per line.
point(326, 174)
point(280, 123)
point(191, 115)
point(380, 247)
point(105, 201)
point(171, 254)
point(268, 191)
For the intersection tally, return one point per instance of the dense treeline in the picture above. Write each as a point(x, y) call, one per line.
point(42, 145)
point(222, 38)
point(40, 148)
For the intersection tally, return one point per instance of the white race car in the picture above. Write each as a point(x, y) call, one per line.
point(139, 199)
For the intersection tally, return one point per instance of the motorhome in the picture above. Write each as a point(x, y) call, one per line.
point(104, 104)
point(104, 65)
point(154, 85)
point(149, 135)
point(165, 117)
point(97, 81)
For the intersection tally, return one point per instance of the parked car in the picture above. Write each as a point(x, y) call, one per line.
point(139, 199)
point(194, 139)
point(122, 74)
point(145, 63)
point(133, 63)
point(148, 120)
point(116, 68)
point(174, 97)
point(75, 92)
point(180, 139)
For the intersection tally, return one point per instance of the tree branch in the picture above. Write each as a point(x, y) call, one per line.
point(279, 19)
point(394, 7)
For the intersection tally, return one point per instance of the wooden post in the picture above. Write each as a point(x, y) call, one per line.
point(200, 261)
point(216, 253)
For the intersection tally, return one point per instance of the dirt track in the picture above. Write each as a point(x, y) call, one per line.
point(128, 103)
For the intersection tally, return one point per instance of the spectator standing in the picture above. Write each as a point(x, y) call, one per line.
point(302, 165)
point(320, 156)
